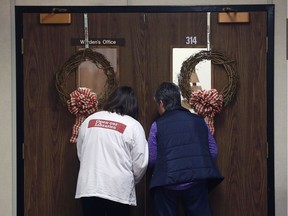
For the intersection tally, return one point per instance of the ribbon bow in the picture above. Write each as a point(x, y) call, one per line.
point(83, 102)
point(207, 103)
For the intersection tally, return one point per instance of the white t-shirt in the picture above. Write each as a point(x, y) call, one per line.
point(113, 154)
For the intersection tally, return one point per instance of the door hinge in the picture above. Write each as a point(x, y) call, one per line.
point(23, 151)
point(22, 46)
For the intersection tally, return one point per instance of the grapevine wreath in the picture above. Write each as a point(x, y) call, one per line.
point(83, 102)
point(208, 102)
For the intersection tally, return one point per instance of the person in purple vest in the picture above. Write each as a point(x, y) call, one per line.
point(182, 156)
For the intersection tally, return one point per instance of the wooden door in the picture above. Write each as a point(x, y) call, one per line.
point(241, 129)
point(51, 164)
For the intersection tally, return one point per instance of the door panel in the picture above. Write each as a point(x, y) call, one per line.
point(241, 128)
point(51, 164)
point(165, 31)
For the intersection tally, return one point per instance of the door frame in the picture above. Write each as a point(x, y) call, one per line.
point(19, 10)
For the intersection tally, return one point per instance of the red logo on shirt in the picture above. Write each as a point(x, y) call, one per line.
point(117, 126)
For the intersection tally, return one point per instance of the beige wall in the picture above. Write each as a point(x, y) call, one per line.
point(6, 104)
point(8, 88)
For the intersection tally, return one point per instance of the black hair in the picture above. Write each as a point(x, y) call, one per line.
point(122, 101)
point(170, 95)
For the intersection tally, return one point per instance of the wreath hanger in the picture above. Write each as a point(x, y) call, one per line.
point(207, 103)
point(83, 101)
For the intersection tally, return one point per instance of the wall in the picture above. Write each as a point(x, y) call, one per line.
point(280, 107)
point(8, 103)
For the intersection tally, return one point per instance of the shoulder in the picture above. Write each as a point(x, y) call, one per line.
point(196, 116)
point(132, 122)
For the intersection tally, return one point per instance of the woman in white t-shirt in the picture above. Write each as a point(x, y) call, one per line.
point(113, 154)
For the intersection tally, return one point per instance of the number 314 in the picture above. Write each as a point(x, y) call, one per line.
point(191, 40)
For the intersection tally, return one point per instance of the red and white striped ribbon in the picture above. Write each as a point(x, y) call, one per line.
point(83, 102)
point(207, 103)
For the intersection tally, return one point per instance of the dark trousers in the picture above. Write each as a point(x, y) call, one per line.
point(94, 206)
point(194, 199)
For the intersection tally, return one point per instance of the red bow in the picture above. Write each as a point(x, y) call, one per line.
point(207, 103)
point(83, 102)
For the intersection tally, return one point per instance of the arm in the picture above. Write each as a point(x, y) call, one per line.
point(80, 141)
point(139, 154)
point(152, 143)
point(212, 145)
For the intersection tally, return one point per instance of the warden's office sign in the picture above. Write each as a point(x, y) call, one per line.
point(99, 41)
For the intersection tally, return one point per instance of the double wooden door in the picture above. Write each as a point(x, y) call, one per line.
point(50, 164)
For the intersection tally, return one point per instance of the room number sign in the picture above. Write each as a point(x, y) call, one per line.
point(191, 40)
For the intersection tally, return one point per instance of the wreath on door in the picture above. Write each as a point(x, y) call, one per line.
point(208, 103)
point(83, 101)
